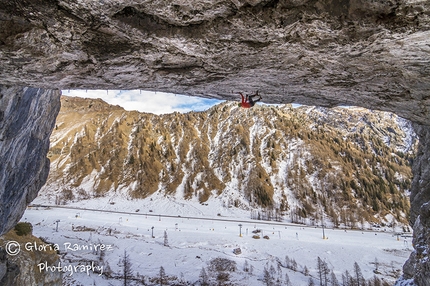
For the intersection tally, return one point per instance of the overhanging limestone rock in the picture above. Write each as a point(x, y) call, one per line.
point(366, 53)
point(27, 118)
point(418, 265)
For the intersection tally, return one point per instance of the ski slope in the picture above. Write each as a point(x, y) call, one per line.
point(194, 242)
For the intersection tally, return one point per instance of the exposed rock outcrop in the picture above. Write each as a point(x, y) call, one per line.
point(9, 271)
point(418, 265)
point(27, 117)
point(23, 268)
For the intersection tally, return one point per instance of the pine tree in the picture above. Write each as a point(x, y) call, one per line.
point(166, 239)
point(279, 269)
point(346, 279)
point(162, 275)
point(293, 265)
point(376, 281)
point(279, 275)
point(272, 270)
point(358, 275)
point(334, 281)
point(107, 270)
point(320, 270)
point(102, 255)
point(306, 271)
point(323, 271)
point(351, 281)
point(267, 277)
point(287, 262)
point(326, 273)
point(204, 278)
point(126, 268)
point(287, 280)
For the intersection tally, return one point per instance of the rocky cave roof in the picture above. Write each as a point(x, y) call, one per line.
point(373, 54)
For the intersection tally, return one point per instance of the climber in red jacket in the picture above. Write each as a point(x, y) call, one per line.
point(248, 102)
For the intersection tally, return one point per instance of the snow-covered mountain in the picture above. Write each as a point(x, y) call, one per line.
point(276, 162)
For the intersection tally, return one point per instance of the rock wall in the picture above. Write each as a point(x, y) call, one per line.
point(22, 268)
point(418, 265)
point(316, 52)
point(27, 118)
point(8, 270)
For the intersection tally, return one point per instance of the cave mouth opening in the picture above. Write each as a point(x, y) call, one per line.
point(148, 212)
point(75, 222)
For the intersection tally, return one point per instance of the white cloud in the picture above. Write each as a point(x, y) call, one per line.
point(147, 101)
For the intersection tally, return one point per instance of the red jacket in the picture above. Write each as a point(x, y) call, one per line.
point(244, 103)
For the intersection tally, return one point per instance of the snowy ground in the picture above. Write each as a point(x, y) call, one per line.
point(194, 242)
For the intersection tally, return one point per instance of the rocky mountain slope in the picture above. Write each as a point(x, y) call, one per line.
point(352, 164)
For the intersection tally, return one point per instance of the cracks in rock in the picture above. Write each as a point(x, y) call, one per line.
point(177, 70)
point(255, 44)
point(67, 12)
point(140, 20)
point(153, 24)
point(12, 27)
point(50, 34)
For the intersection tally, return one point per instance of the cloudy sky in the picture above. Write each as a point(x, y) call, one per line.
point(147, 101)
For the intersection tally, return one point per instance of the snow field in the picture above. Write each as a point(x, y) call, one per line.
point(193, 243)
